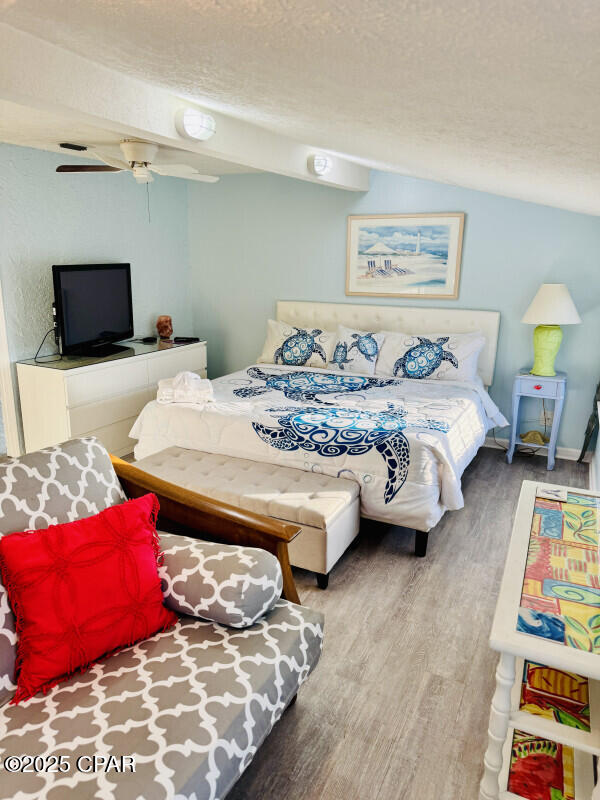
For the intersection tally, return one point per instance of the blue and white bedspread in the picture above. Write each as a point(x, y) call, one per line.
point(406, 442)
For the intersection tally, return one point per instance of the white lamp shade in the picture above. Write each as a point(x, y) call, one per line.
point(552, 305)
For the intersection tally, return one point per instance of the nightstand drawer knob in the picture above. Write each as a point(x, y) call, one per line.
point(538, 386)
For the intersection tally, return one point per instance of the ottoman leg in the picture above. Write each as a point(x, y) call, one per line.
point(421, 538)
point(322, 580)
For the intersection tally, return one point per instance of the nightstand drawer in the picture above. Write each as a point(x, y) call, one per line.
point(537, 387)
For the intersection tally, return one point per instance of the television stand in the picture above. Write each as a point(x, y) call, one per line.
point(104, 350)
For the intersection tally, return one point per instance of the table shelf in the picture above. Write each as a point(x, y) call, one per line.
point(583, 772)
point(588, 741)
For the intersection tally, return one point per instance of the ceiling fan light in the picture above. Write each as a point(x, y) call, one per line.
point(191, 123)
point(142, 175)
point(319, 164)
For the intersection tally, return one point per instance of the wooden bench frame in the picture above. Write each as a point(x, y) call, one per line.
point(193, 514)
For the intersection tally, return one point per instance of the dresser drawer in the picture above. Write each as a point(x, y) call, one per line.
point(167, 365)
point(101, 383)
point(101, 398)
point(537, 387)
point(115, 437)
point(91, 416)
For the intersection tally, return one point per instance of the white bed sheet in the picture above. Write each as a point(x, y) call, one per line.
point(405, 442)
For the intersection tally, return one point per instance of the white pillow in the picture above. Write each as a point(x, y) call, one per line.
point(356, 351)
point(435, 356)
point(296, 347)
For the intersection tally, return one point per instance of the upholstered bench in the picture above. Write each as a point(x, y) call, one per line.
point(326, 508)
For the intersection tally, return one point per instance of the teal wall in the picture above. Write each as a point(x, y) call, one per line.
point(258, 238)
point(48, 219)
point(217, 257)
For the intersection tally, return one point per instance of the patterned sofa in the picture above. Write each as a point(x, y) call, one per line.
point(192, 704)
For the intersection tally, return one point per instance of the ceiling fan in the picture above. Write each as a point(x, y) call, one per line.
point(138, 157)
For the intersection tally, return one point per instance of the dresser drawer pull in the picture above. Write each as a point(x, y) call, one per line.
point(538, 386)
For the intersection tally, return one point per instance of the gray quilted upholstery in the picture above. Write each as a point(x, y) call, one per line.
point(52, 486)
point(222, 583)
point(192, 705)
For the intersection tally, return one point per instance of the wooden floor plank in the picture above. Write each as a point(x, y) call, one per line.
point(398, 706)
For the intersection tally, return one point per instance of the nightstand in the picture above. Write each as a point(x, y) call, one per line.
point(528, 385)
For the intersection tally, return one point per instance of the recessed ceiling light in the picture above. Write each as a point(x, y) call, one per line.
point(195, 124)
point(319, 164)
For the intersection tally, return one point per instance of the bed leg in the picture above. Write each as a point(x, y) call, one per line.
point(421, 538)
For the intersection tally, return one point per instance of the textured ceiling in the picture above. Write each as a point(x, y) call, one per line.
point(44, 130)
point(500, 95)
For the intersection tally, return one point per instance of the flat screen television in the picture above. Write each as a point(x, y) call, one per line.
point(93, 307)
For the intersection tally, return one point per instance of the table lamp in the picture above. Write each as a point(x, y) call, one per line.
point(550, 308)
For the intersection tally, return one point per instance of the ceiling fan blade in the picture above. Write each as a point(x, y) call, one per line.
point(204, 178)
point(112, 162)
point(182, 171)
point(87, 168)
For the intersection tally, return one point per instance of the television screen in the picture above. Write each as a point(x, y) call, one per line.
point(93, 304)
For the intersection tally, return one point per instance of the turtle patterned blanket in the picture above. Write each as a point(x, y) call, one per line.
point(405, 442)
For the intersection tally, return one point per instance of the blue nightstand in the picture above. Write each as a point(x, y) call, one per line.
point(528, 385)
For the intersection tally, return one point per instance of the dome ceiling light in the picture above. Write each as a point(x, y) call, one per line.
point(319, 164)
point(191, 123)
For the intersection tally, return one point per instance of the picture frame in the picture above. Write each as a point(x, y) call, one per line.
point(405, 255)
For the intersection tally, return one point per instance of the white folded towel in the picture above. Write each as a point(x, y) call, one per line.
point(185, 387)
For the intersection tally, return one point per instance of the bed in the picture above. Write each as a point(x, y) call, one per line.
point(405, 442)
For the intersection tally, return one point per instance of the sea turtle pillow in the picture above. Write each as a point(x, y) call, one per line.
point(296, 347)
point(356, 351)
point(432, 356)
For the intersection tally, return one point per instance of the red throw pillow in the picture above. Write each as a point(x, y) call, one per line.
point(83, 590)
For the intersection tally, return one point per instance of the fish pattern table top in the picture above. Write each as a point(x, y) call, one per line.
point(560, 599)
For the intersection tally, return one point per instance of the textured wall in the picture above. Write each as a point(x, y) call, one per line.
point(257, 238)
point(48, 219)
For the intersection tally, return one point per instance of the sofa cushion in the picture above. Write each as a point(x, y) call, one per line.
point(58, 484)
point(82, 590)
point(191, 705)
point(292, 495)
point(218, 582)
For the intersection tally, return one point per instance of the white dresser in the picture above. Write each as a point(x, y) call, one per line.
point(73, 397)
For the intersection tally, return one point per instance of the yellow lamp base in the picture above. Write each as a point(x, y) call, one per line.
point(546, 344)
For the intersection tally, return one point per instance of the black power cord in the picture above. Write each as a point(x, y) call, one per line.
point(49, 358)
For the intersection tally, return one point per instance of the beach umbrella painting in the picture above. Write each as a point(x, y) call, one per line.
point(380, 249)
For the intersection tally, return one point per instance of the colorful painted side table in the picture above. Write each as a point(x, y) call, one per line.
point(547, 631)
point(528, 385)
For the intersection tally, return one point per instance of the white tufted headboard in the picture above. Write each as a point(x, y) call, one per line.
point(398, 318)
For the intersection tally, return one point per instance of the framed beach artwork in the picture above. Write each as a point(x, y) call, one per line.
point(405, 255)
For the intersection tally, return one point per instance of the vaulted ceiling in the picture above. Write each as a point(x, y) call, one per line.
point(498, 95)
